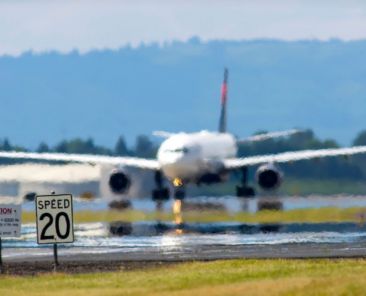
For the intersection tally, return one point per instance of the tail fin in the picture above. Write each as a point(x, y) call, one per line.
point(222, 124)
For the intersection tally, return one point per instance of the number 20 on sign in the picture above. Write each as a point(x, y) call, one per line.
point(54, 219)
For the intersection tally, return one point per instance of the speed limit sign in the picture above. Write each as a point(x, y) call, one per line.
point(54, 219)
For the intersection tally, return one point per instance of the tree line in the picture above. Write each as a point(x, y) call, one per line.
point(336, 167)
point(143, 147)
point(352, 168)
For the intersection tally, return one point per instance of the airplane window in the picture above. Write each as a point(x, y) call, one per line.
point(178, 150)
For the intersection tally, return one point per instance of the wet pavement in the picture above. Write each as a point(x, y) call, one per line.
point(164, 241)
point(195, 241)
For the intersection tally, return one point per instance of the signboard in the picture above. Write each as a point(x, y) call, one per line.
point(54, 219)
point(10, 220)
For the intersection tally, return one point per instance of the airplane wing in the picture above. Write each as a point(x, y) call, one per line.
point(292, 156)
point(271, 135)
point(150, 164)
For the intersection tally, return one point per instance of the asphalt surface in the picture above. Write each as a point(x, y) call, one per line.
point(93, 260)
point(199, 252)
point(122, 245)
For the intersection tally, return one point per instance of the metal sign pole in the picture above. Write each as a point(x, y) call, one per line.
point(1, 258)
point(55, 257)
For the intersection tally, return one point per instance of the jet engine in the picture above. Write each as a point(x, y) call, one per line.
point(268, 176)
point(119, 182)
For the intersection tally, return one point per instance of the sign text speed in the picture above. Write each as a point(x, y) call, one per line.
point(54, 219)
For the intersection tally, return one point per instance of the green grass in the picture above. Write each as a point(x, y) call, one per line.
point(291, 186)
point(232, 277)
point(298, 215)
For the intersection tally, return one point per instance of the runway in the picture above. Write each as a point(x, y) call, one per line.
point(157, 241)
point(108, 246)
point(199, 252)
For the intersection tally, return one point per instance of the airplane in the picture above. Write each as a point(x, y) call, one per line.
point(203, 157)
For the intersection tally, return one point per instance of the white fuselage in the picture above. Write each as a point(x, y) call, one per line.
point(188, 156)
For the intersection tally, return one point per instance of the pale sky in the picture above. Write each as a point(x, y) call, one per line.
point(44, 25)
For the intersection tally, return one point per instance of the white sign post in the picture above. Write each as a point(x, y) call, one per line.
point(10, 224)
point(54, 220)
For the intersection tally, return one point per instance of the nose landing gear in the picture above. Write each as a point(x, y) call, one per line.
point(179, 191)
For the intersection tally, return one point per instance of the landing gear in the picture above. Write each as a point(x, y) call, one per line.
point(244, 190)
point(179, 193)
point(160, 194)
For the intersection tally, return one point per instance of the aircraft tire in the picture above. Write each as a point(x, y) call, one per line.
point(179, 194)
point(160, 194)
point(245, 191)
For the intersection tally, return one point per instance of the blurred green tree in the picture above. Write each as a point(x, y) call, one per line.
point(144, 147)
point(121, 147)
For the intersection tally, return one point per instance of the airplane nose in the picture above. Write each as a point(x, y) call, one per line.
point(173, 159)
point(167, 157)
point(174, 164)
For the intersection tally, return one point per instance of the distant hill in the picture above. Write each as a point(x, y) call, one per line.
point(103, 94)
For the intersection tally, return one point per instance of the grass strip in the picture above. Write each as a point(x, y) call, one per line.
point(291, 216)
point(231, 277)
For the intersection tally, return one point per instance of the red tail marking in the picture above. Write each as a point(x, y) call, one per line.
point(223, 93)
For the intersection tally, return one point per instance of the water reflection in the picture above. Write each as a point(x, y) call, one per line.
point(230, 203)
point(137, 235)
point(160, 228)
point(120, 228)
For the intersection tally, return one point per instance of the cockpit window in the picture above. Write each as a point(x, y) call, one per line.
point(178, 150)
